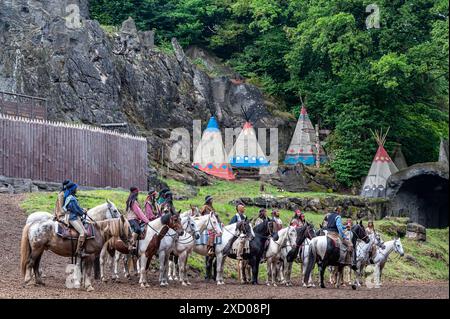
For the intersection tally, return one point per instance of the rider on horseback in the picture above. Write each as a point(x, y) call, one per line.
point(207, 209)
point(75, 213)
point(150, 205)
point(239, 217)
point(135, 214)
point(59, 212)
point(262, 217)
point(370, 230)
point(337, 231)
point(298, 220)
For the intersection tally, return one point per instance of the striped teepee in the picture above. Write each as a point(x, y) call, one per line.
point(382, 167)
point(246, 152)
point(303, 144)
point(209, 156)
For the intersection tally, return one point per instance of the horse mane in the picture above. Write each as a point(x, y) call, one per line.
point(113, 224)
point(166, 218)
point(259, 228)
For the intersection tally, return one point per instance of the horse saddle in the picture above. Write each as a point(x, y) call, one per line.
point(344, 256)
point(67, 232)
point(241, 246)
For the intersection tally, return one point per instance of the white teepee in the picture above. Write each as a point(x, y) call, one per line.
point(303, 147)
point(382, 167)
point(247, 152)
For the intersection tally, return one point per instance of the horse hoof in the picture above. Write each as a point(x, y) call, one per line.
point(188, 283)
point(89, 289)
point(175, 278)
point(184, 284)
point(170, 278)
point(275, 285)
point(322, 286)
point(104, 280)
point(305, 285)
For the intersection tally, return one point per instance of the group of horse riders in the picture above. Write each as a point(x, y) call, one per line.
point(69, 212)
point(156, 204)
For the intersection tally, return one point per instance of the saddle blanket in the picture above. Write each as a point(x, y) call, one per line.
point(242, 245)
point(344, 254)
point(67, 232)
point(203, 240)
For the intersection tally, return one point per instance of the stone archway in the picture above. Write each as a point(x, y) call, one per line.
point(420, 192)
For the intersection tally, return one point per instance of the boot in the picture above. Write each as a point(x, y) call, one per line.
point(210, 246)
point(80, 244)
point(134, 240)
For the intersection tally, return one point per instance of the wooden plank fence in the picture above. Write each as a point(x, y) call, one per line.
point(53, 151)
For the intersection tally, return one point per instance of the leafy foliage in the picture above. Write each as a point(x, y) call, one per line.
point(355, 78)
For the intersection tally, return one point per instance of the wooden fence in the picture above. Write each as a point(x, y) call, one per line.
point(52, 151)
point(23, 105)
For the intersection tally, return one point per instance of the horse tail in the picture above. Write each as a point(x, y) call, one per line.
point(25, 249)
point(311, 261)
point(97, 267)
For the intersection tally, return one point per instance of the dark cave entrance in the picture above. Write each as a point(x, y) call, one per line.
point(424, 198)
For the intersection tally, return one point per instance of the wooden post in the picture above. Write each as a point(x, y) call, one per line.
point(317, 146)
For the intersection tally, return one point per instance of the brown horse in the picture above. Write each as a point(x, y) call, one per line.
point(41, 235)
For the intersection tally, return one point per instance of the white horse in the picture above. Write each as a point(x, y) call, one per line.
point(362, 255)
point(153, 229)
point(229, 232)
point(184, 245)
point(274, 254)
point(382, 257)
point(101, 212)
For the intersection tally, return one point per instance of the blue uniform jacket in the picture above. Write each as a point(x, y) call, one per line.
point(73, 208)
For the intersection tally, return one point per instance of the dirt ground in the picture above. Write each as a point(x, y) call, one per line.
point(12, 219)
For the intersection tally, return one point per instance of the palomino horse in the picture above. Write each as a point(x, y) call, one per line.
point(325, 253)
point(184, 245)
point(286, 238)
point(230, 232)
point(149, 245)
point(41, 235)
point(382, 255)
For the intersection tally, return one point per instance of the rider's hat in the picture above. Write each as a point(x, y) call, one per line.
point(134, 189)
point(208, 198)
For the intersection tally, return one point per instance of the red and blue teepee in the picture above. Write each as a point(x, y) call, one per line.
point(209, 156)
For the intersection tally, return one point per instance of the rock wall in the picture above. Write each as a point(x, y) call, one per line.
point(353, 206)
point(420, 192)
point(92, 77)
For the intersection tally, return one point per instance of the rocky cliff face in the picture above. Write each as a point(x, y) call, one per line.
point(91, 77)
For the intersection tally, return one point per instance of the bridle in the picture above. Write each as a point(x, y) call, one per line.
point(357, 236)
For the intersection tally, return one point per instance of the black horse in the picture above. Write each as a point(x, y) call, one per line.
point(306, 231)
point(262, 231)
point(330, 255)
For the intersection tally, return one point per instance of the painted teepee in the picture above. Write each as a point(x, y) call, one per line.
point(246, 152)
point(209, 155)
point(303, 147)
point(382, 167)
